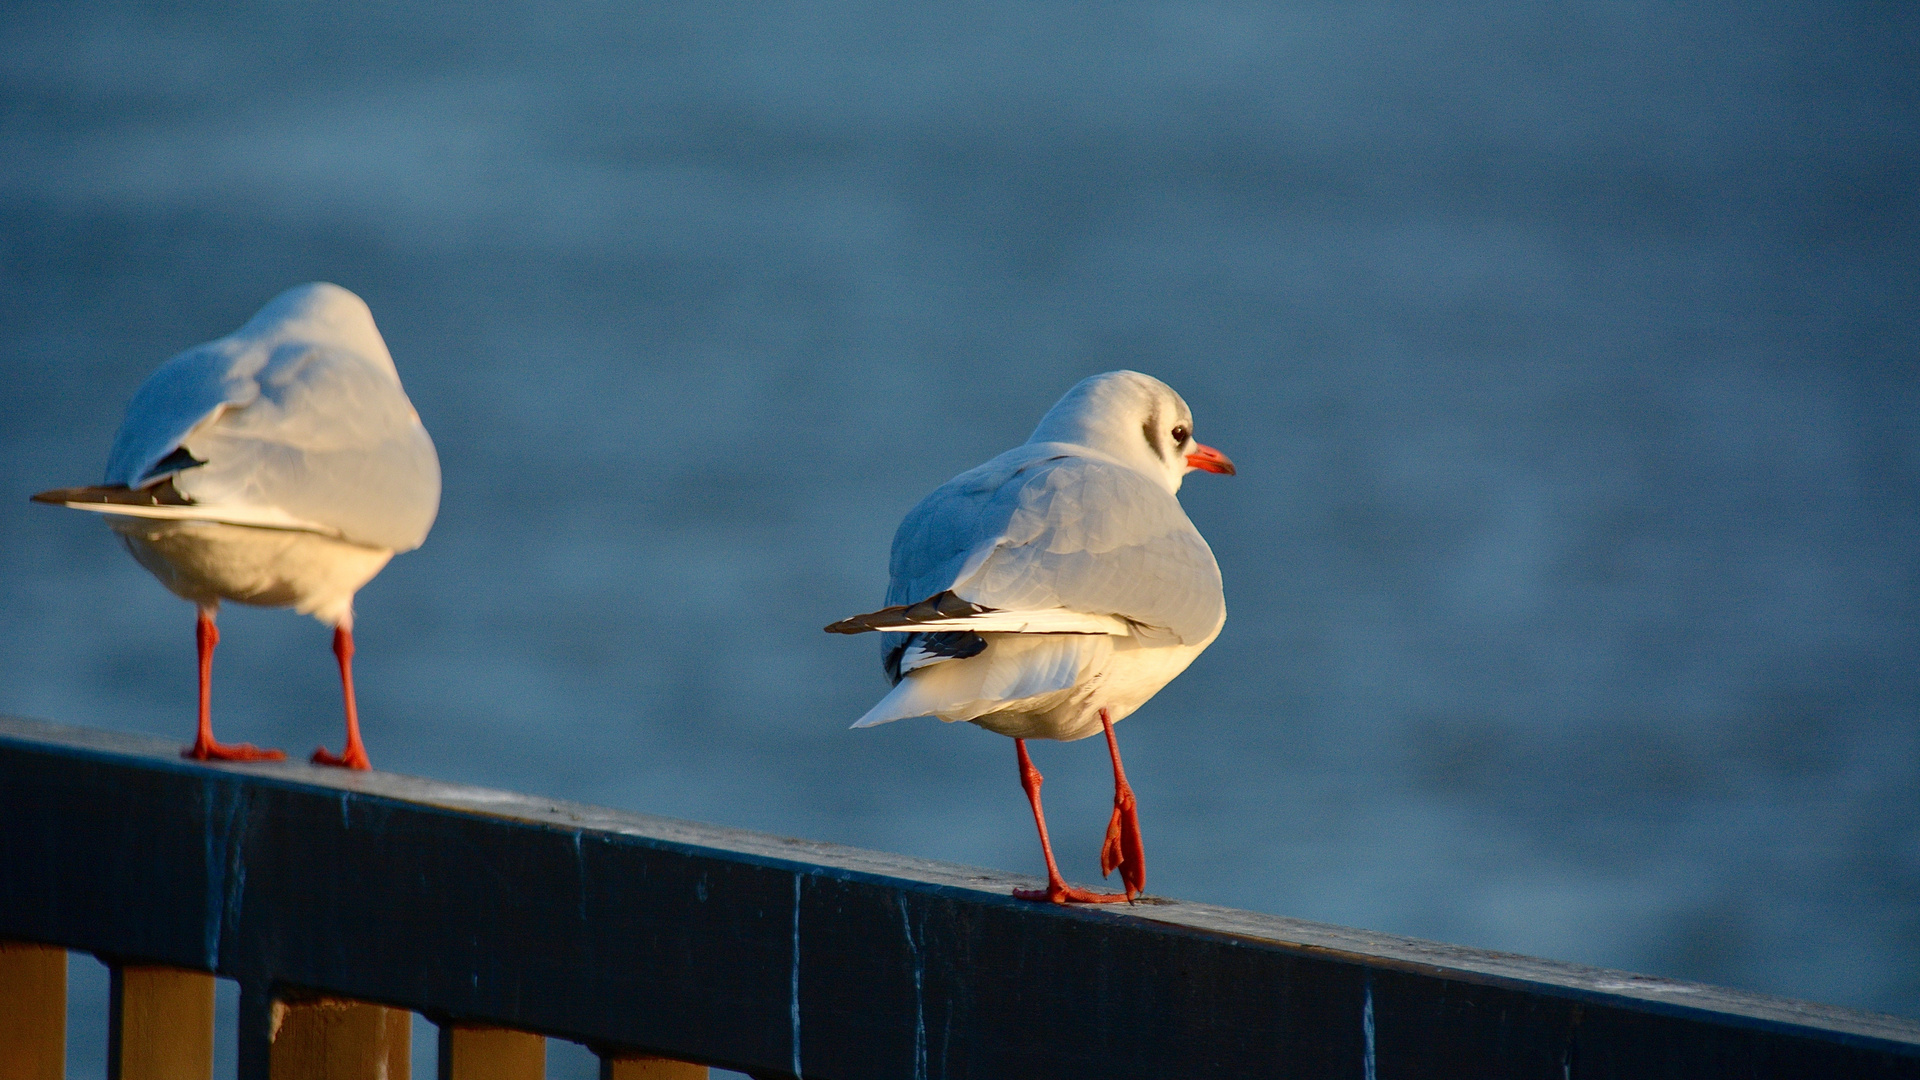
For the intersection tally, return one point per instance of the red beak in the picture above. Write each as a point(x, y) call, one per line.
point(1206, 457)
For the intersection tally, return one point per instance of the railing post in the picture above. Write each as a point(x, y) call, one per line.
point(159, 1024)
point(489, 1053)
point(614, 1066)
point(33, 1012)
point(332, 1039)
point(317, 1038)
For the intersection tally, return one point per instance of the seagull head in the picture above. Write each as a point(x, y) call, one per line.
point(1135, 418)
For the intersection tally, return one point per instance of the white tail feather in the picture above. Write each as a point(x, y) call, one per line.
point(1044, 621)
point(1012, 672)
point(255, 517)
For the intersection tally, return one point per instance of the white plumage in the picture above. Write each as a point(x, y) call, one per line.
point(1053, 590)
point(282, 466)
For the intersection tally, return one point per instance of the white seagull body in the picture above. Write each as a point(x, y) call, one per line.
point(1053, 590)
point(280, 466)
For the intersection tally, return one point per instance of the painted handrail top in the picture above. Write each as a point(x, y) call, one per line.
point(992, 887)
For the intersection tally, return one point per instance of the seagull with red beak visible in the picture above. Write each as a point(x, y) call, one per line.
point(1050, 592)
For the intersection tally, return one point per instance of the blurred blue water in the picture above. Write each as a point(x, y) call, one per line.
point(1568, 354)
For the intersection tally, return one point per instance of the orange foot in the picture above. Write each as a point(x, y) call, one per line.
point(213, 751)
point(354, 758)
point(1123, 850)
point(1059, 892)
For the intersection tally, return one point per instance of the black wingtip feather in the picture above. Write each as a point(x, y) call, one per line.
point(175, 462)
point(161, 494)
point(903, 617)
point(952, 644)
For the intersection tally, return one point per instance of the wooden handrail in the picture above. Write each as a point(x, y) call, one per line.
point(645, 936)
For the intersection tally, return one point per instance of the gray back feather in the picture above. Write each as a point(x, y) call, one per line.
point(313, 427)
point(1047, 525)
point(172, 402)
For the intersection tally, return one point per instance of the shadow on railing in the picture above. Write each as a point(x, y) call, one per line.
point(342, 902)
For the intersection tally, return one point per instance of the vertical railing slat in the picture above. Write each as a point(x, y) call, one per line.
point(159, 1024)
point(33, 1012)
point(332, 1039)
point(488, 1053)
point(621, 1067)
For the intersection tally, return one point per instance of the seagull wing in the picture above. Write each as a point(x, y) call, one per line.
point(287, 424)
point(1047, 539)
point(187, 392)
point(330, 438)
point(1092, 536)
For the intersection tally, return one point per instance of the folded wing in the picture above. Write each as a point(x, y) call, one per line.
point(1039, 541)
point(279, 430)
point(329, 439)
point(1043, 540)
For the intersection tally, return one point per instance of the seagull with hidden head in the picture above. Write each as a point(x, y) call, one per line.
point(1050, 592)
point(280, 466)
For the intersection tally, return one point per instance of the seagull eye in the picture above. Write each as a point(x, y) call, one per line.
point(1180, 434)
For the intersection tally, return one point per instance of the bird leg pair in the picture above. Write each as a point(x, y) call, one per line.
point(204, 747)
point(1122, 850)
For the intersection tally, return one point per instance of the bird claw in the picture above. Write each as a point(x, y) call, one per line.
point(355, 758)
point(1110, 854)
point(1059, 892)
point(213, 751)
point(1123, 849)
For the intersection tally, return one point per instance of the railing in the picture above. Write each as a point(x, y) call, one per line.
point(338, 899)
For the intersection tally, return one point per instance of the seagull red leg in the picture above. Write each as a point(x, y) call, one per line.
point(355, 756)
point(1057, 890)
point(206, 636)
point(1123, 849)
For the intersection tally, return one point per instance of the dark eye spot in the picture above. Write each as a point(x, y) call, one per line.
point(1180, 434)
